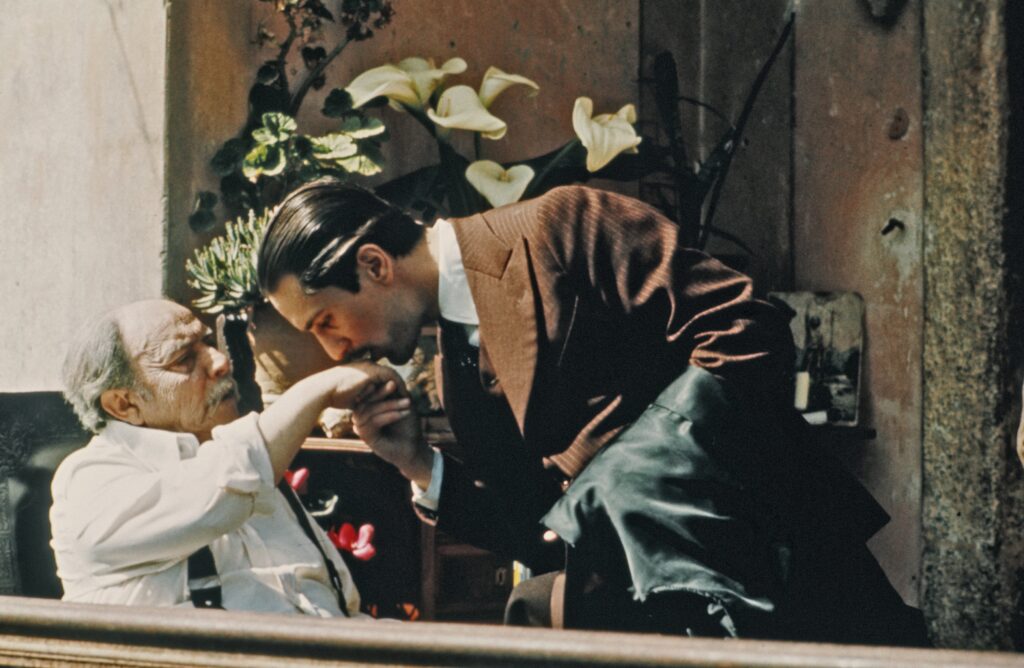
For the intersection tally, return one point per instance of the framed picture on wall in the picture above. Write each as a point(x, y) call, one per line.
point(828, 330)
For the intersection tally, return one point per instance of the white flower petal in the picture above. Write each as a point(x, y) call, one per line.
point(386, 80)
point(454, 66)
point(460, 108)
point(606, 135)
point(496, 81)
point(426, 78)
point(498, 185)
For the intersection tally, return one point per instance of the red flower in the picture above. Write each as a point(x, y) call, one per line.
point(297, 479)
point(360, 546)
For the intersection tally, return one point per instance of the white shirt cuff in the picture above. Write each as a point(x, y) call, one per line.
point(430, 498)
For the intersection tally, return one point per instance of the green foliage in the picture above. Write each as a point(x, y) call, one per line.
point(270, 156)
point(224, 271)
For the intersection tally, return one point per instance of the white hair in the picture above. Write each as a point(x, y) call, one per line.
point(96, 362)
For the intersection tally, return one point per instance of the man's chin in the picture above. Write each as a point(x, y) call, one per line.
point(226, 411)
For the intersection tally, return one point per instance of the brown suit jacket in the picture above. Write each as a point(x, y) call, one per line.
point(588, 308)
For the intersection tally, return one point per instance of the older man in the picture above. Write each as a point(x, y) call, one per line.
point(176, 500)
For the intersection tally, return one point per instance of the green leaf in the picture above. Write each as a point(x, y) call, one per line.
point(318, 9)
point(264, 160)
point(277, 127)
point(333, 146)
point(312, 55)
point(360, 164)
point(264, 98)
point(237, 193)
point(226, 160)
point(367, 161)
point(302, 147)
point(337, 104)
point(361, 127)
point(204, 200)
point(201, 221)
point(268, 73)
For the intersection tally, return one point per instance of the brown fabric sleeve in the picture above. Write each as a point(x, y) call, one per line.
point(627, 254)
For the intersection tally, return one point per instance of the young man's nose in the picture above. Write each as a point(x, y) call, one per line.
point(336, 349)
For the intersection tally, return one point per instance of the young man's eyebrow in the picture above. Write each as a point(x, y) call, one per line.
point(309, 323)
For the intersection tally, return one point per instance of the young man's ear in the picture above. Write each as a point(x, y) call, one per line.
point(120, 404)
point(376, 263)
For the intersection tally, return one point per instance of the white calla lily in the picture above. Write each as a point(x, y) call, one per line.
point(460, 108)
point(498, 185)
point(411, 82)
point(386, 80)
point(495, 81)
point(425, 77)
point(606, 135)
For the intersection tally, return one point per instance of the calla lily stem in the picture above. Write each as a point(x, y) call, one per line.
point(543, 174)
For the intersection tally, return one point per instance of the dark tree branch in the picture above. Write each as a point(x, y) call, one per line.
point(300, 92)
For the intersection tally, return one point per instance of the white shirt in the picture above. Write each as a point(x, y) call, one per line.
point(455, 302)
point(130, 507)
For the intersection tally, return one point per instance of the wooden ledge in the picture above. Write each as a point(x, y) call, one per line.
point(336, 445)
point(35, 632)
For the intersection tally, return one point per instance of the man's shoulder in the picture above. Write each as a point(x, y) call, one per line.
point(98, 454)
point(120, 448)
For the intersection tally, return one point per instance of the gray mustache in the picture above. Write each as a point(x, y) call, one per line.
point(224, 388)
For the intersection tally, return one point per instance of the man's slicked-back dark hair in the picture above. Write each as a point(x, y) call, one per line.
point(318, 228)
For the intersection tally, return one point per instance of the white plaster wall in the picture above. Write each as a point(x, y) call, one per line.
point(81, 172)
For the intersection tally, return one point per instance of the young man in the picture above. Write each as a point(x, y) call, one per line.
point(606, 386)
point(176, 500)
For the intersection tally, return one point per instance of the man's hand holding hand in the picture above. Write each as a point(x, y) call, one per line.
point(384, 419)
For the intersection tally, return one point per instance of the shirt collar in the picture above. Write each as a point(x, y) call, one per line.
point(454, 298)
point(155, 445)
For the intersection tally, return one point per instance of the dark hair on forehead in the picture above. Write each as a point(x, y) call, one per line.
point(318, 228)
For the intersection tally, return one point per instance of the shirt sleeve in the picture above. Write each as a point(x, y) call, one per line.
point(130, 515)
point(429, 499)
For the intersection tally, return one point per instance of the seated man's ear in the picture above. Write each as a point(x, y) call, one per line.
point(120, 404)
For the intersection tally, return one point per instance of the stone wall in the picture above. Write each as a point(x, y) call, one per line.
point(82, 174)
point(972, 490)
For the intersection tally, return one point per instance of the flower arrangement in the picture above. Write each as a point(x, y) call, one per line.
point(457, 186)
point(271, 156)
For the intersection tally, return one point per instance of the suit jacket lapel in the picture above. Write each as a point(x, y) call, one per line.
point(499, 279)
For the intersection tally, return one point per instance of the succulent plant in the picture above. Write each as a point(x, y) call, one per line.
point(224, 271)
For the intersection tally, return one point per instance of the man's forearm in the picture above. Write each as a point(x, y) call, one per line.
point(420, 467)
point(290, 419)
point(287, 422)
